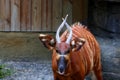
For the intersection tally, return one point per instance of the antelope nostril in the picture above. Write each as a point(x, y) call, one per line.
point(61, 68)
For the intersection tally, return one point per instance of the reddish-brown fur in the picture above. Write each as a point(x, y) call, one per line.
point(81, 62)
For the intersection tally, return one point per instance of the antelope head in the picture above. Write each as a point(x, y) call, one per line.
point(62, 49)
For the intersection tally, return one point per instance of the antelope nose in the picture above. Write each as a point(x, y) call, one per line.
point(61, 68)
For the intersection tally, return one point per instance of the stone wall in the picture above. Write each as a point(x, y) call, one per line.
point(110, 56)
point(22, 46)
point(104, 17)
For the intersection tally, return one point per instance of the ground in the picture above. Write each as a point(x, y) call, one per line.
point(41, 70)
point(29, 70)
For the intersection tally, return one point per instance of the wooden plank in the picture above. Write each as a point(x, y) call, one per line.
point(29, 18)
point(49, 15)
point(36, 15)
point(15, 15)
point(43, 15)
point(2, 25)
point(7, 15)
point(2, 15)
point(25, 15)
point(85, 9)
point(30, 15)
point(57, 14)
point(0, 9)
point(67, 9)
point(79, 10)
point(2, 2)
point(46, 15)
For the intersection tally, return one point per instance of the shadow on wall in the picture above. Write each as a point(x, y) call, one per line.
point(104, 21)
point(104, 18)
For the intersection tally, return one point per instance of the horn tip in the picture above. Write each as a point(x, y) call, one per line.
point(67, 15)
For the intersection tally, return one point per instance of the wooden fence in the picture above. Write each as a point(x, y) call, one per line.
point(30, 15)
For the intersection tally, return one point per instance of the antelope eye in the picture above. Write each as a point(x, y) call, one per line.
point(57, 51)
point(68, 51)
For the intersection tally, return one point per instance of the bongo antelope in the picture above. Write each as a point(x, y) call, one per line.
point(75, 54)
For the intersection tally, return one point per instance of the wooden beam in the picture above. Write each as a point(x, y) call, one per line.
point(25, 15)
point(15, 15)
point(80, 8)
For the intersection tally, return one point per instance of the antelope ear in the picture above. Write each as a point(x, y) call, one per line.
point(77, 43)
point(47, 40)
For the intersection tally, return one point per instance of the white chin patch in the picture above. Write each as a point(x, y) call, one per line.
point(60, 73)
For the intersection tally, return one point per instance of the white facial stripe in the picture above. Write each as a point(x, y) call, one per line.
point(73, 43)
point(52, 41)
point(80, 43)
point(62, 55)
point(43, 40)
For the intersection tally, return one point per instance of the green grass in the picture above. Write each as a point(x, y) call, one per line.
point(4, 72)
